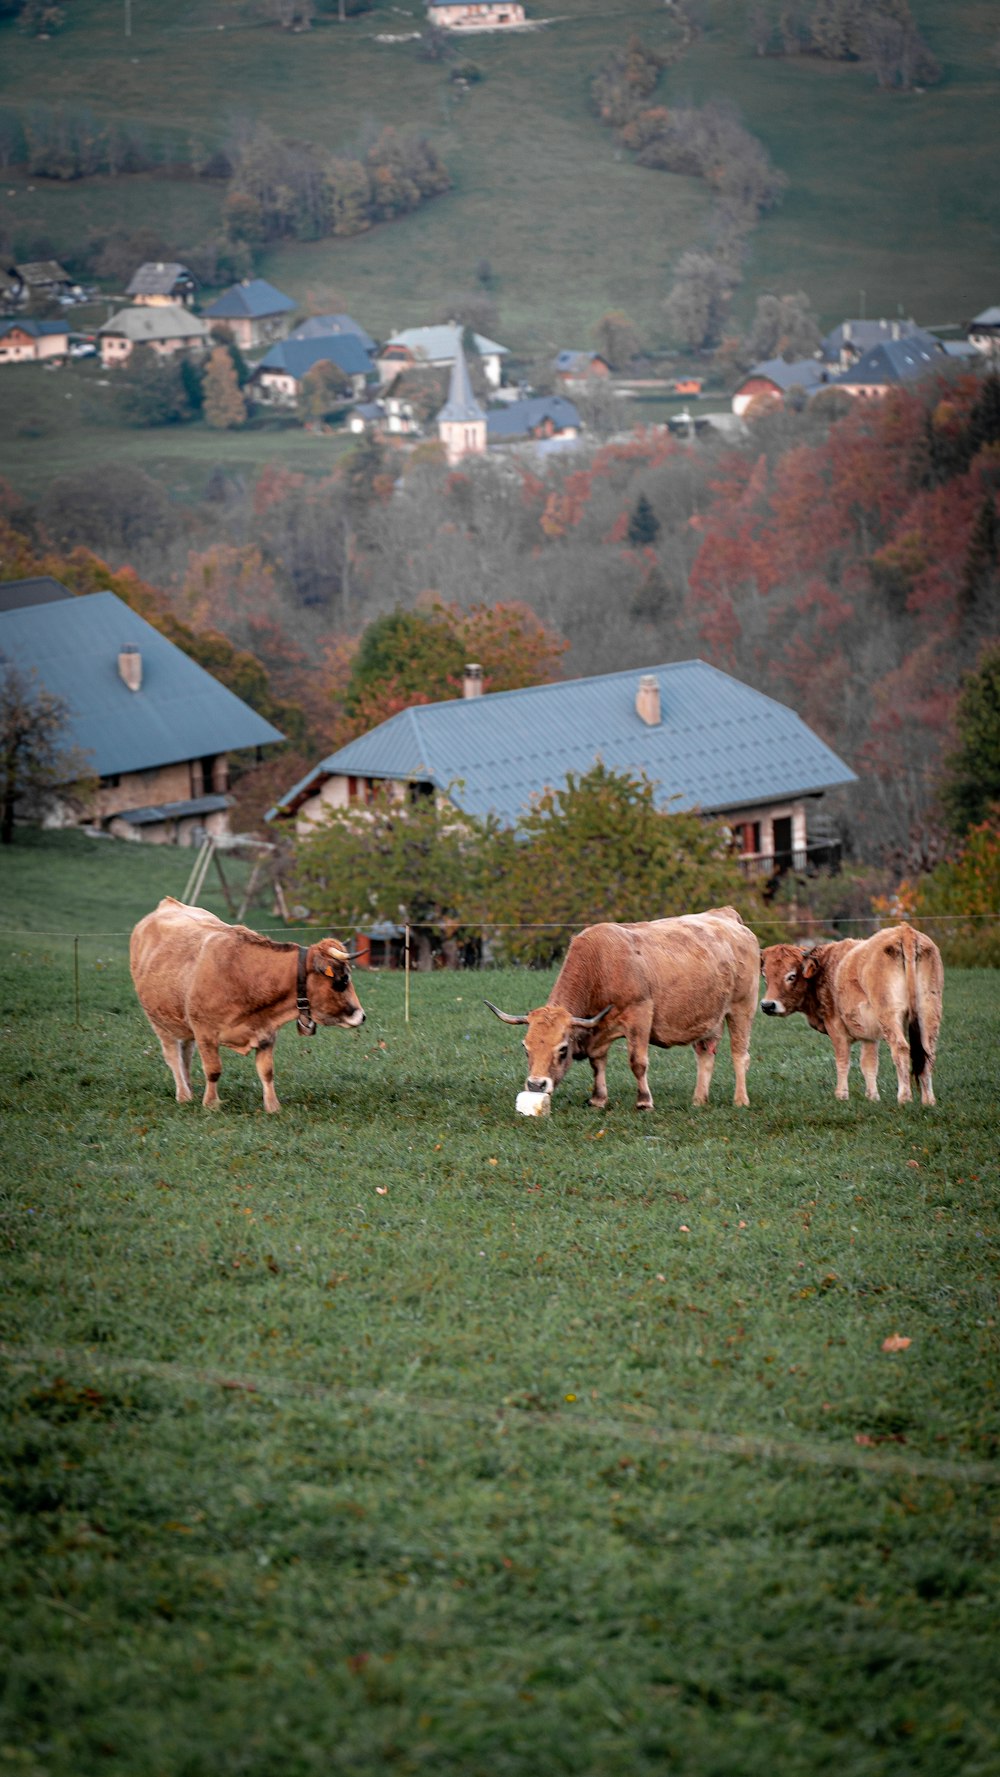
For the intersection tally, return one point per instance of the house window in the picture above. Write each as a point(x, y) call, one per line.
point(751, 838)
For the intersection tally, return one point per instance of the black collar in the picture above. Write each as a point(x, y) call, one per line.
point(306, 1024)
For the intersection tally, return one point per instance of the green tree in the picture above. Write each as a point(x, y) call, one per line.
point(599, 848)
point(324, 387)
point(153, 391)
point(223, 402)
point(34, 759)
point(416, 650)
point(971, 786)
point(643, 524)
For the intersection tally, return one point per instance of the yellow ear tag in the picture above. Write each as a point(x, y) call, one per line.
point(328, 970)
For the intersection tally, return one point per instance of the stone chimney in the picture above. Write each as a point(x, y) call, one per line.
point(130, 668)
point(647, 700)
point(472, 683)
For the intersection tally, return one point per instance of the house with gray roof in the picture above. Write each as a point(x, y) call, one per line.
point(153, 726)
point(895, 363)
point(705, 740)
point(845, 344)
point(279, 376)
point(983, 332)
point(319, 326)
point(438, 346)
point(535, 416)
point(253, 313)
point(159, 281)
point(774, 380)
point(164, 329)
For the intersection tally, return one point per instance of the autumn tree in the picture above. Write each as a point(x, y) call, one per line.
point(324, 387)
point(783, 327)
point(616, 338)
point(35, 759)
point(696, 306)
point(224, 404)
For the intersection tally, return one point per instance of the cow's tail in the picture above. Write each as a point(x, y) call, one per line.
point(916, 953)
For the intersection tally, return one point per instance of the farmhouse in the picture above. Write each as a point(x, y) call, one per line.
point(154, 727)
point(33, 342)
point(438, 347)
point(253, 313)
point(704, 739)
point(163, 330)
point(578, 367)
point(474, 15)
point(279, 376)
point(159, 281)
point(321, 326)
point(847, 343)
point(44, 277)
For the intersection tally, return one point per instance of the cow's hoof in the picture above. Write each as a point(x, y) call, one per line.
point(643, 1104)
point(598, 1104)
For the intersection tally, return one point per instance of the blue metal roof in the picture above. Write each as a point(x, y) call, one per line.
point(296, 357)
point(180, 711)
point(899, 360)
point(520, 418)
point(252, 300)
point(320, 325)
point(719, 745)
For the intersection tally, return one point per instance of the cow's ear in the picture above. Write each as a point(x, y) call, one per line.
point(810, 968)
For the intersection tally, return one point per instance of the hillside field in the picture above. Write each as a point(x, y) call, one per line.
point(397, 1433)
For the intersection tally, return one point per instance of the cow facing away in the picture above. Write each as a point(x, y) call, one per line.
point(860, 990)
point(202, 981)
point(667, 982)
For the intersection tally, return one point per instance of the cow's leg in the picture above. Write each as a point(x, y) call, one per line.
point(638, 1058)
point(842, 1056)
point(177, 1055)
point(869, 1070)
point(208, 1049)
point(264, 1060)
point(899, 1048)
point(739, 1021)
point(925, 1080)
point(704, 1049)
point(599, 1096)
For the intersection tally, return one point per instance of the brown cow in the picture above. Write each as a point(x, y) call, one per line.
point(201, 981)
point(666, 982)
point(859, 990)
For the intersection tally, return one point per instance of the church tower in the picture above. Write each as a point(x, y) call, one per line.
point(461, 422)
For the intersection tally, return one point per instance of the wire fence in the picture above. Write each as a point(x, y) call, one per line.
point(88, 967)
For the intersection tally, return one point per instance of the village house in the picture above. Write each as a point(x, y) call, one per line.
point(44, 278)
point(163, 330)
point(891, 364)
point(461, 422)
point(253, 313)
point(153, 726)
point(474, 15)
point(533, 417)
point(580, 367)
point(322, 326)
point(33, 342)
point(279, 376)
point(159, 282)
point(773, 380)
point(983, 332)
point(704, 739)
point(438, 347)
point(389, 416)
point(847, 343)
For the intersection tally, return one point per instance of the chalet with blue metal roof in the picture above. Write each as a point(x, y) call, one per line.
point(536, 416)
point(253, 313)
point(279, 376)
point(33, 342)
point(154, 727)
point(705, 740)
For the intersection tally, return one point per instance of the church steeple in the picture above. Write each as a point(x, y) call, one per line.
point(461, 422)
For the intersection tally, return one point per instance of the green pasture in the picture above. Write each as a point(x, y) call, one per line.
point(59, 422)
point(398, 1433)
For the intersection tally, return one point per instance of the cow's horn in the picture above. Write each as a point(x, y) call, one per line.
point(588, 1022)
point(508, 1017)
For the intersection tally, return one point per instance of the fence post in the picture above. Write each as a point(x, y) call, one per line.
point(76, 975)
point(406, 975)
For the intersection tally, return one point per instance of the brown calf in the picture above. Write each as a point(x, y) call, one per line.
point(202, 981)
point(665, 982)
point(859, 990)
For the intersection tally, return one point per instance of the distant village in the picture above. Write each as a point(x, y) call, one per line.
point(417, 384)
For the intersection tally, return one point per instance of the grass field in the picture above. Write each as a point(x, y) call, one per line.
point(398, 1433)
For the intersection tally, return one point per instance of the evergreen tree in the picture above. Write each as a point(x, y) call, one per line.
point(972, 783)
point(643, 525)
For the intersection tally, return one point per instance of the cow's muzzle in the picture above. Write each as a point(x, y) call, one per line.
point(541, 1083)
point(773, 1008)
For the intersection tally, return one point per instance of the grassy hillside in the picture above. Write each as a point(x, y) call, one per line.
point(890, 195)
point(399, 1433)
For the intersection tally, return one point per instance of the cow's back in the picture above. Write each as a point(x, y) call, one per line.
point(700, 966)
point(164, 952)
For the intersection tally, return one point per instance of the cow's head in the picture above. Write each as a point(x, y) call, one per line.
point(787, 970)
point(552, 1040)
point(332, 999)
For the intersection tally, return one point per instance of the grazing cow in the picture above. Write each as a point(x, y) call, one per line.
point(666, 982)
point(859, 990)
point(201, 981)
